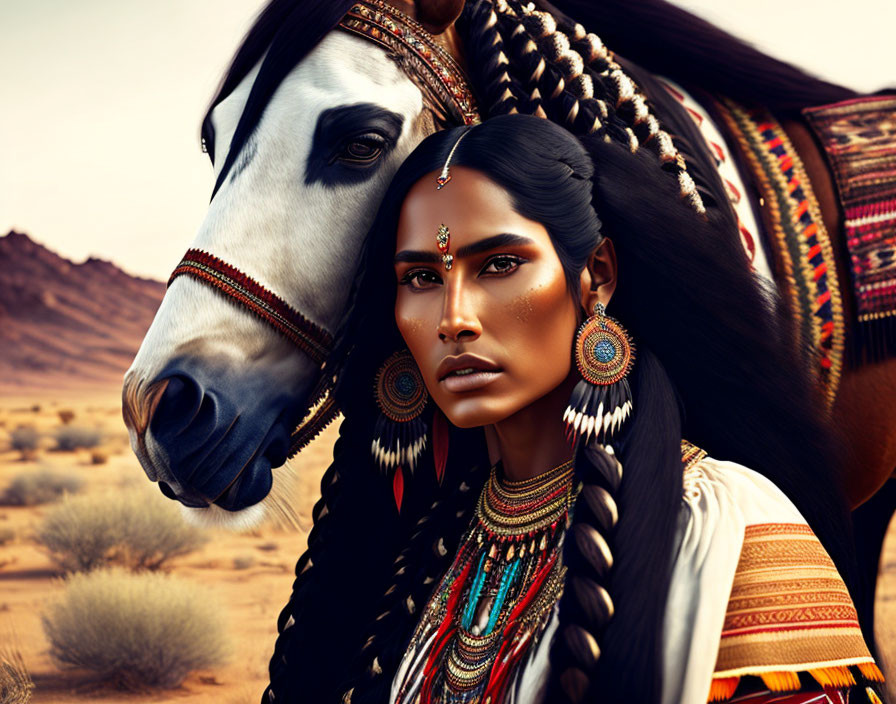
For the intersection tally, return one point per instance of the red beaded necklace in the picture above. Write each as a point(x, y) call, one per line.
point(492, 604)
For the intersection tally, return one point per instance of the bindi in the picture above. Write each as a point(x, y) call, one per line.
point(443, 242)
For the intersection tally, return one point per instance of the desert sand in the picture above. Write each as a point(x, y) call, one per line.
point(250, 575)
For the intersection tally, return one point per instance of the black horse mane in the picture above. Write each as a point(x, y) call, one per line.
point(668, 40)
point(655, 34)
point(284, 33)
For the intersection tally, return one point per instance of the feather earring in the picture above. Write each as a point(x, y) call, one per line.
point(399, 433)
point(602, 400)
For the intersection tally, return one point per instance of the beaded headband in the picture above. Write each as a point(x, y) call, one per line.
point(426, 63)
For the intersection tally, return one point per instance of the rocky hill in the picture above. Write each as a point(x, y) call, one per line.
point(65, 325)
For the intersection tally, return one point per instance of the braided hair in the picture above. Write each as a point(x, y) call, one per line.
point(706, 370)
point(560, 71)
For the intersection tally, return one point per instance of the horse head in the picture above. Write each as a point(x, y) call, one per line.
point(309, 127)
point(304, 145)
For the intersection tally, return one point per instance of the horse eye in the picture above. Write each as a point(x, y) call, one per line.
point(362, 150)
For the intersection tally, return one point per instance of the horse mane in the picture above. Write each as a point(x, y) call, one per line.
point(283, 34)
point(667, 40)
point(673, 42)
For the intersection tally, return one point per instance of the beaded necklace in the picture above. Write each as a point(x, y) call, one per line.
point(492, 604)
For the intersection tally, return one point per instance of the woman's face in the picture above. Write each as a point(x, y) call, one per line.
point(493, 333)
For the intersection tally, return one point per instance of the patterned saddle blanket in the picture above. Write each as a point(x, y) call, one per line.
point(859, 139)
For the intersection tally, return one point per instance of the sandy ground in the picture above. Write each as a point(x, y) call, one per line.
point(250, 597)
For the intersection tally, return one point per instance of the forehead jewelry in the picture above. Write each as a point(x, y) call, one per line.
point(445, 176)
point(443, 241)
point(443, 237)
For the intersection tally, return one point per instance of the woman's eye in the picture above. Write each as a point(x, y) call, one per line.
point(420, 279)
point(362, 150)
point(503, 264)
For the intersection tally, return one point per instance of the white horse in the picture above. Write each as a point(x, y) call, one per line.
point(214, 393)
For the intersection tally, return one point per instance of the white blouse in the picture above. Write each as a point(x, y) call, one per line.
point(720, 500)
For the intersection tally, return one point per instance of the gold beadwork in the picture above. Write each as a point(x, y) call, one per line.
point(507, 587)
point(427, 64)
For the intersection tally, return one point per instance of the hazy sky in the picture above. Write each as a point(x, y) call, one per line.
point(100, 104)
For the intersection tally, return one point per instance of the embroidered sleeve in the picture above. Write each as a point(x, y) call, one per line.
point(789, 612)
point(755, 604)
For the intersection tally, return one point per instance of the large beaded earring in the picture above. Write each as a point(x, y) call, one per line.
point(400, 433)
point(602, 400)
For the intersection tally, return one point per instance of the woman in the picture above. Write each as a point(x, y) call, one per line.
point(557, 539)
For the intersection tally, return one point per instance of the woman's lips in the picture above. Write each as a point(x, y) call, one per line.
point(466, 372)
point(469, 379)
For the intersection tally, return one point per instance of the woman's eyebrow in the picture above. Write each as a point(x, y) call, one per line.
point(505, 239)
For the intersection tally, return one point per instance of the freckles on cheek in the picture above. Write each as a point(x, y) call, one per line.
point(543, 298)
point(522, 307)
point(412, 326)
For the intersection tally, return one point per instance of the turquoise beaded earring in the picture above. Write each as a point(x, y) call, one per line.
point(400, 433)
point(602, 400)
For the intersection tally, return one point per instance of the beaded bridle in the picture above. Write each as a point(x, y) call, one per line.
point(266, 305)
point(448, 97)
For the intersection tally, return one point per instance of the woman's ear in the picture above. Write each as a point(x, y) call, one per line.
point(598, 280)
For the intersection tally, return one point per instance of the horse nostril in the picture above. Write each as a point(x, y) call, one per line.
point(166, 490)
point(177, 406)
point(138, 404)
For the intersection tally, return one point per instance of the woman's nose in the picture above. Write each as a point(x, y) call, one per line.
point(459, 316)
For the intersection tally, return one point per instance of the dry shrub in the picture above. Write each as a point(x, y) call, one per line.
point(133, 527)
point(7, 535)
point(243, 562)
point(25, 439)
point(97, 457)
point(66, 415)
point(40, 487)
point(16, 685)
point(70, 438)
point(135, 631)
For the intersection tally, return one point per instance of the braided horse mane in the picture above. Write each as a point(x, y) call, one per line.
point(527, 62)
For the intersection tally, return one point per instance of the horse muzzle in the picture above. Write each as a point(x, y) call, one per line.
point(202, 445)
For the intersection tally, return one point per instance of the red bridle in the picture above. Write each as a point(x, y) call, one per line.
point(266, 305)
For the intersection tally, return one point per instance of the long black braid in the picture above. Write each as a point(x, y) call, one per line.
point(416, 572)
point(341, 576)
point(624, 518)
point(560, 71)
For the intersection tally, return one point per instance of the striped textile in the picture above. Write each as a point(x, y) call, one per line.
point(805, 268)
point(859, 138)
point(789, 612)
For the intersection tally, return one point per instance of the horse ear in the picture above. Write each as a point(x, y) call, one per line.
point(437, 15)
